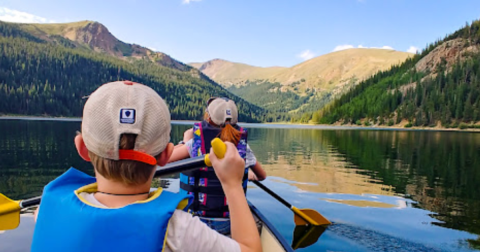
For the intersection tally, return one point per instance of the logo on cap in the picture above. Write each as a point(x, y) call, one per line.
point(229, 112)
point(127, 116)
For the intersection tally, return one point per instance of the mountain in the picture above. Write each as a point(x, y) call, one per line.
point(439, 87)
point(46, 69)
point(309, 85)
point(196, 65)
point(235, 74)
point(95, 36)
point(321, 73)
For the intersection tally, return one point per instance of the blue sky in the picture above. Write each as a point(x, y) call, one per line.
point(257, 32)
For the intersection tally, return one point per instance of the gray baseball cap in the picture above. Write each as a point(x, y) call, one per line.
point(221, 109)
point(125, 107)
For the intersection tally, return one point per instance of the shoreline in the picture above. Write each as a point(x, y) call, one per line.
point(67, 119)
point(285, 125)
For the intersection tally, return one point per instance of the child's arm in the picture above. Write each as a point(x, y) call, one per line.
point(256, 168)
point(230, 171)
point(35, 214)
point(179, 152)
point(259, 172)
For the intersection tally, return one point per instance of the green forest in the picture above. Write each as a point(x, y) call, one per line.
point(38, 77)
point(449, 95)
point(49, 78)
point(269, 96)
point(282, 105)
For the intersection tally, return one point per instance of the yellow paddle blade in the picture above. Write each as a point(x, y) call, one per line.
point(9, 213)
point(309, 216)
point(304, 236)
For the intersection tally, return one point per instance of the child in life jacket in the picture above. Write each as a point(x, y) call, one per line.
point(209, 200)
point(255, 173)
point(125, 135)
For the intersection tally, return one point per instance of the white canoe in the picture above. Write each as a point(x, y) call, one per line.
point(272, 240)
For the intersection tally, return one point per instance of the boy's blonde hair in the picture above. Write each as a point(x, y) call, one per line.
point(128, 172)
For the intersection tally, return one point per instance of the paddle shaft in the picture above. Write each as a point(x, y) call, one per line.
point(30, 202)
point(297, 211)
point(180, 166)
point(175, 167)
point(219, 148)
point(266, 189)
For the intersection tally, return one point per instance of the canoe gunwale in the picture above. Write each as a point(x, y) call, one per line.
point(272, 228)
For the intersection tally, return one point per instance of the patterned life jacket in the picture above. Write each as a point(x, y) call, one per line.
point(203, 184)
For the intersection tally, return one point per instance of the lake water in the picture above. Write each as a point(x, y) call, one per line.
point(384, 190)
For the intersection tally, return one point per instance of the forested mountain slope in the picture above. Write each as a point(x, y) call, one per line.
point(41, 76)
point(91, 35)
point(440, 85)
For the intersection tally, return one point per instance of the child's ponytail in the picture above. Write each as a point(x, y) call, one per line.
point(229, 133)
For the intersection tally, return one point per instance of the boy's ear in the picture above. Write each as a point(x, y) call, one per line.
point(81, 148)
point(163, 158)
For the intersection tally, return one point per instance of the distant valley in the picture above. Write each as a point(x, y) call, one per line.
point(305, 87)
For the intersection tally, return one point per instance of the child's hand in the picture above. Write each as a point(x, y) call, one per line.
point(231, 168)
point(252, 176)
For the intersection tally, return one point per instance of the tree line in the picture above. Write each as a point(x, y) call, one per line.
point(451, 95)
point(42, 78)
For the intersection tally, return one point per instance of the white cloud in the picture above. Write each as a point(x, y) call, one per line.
point(306, 55)
point(189, 1)
point(413, 49)
point(345, 47)
point(15, 16)
point(153, 49)
point(342, 47)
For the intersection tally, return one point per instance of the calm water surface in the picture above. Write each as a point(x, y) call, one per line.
point(384, 190)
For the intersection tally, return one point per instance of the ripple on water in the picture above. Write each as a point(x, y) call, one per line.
point(362, 222)
point(384, 190)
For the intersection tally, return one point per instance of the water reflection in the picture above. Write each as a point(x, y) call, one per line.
point(32, 153)
point(363, 203)
point(307, 156)
point(437, 170)
point(388, 182)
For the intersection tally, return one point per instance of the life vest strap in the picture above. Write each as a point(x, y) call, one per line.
point(210, 190)
point(212, 214)
point(218, 209)
point(213, 190)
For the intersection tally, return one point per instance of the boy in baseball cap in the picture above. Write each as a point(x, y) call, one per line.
point(125, 134)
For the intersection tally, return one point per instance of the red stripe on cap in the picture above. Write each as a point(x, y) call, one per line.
point(128, 82)
point(136, 156)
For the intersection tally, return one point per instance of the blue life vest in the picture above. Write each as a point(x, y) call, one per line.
point(69, 223)
point(203, 184)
